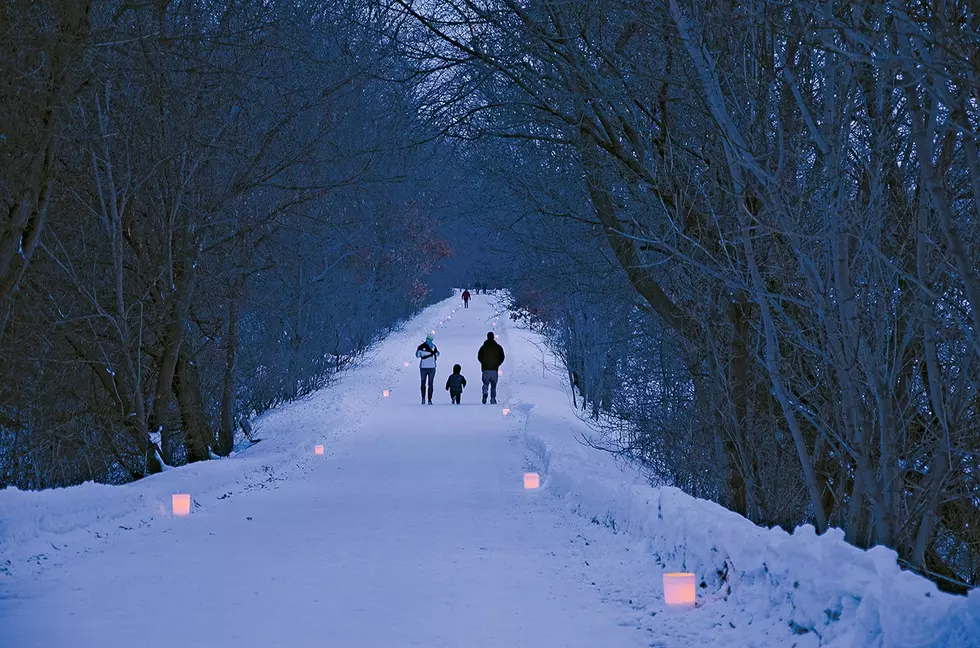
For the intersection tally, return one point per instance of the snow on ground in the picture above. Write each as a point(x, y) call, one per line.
point(414, 530)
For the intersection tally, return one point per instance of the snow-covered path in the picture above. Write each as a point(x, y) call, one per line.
point(416, 531)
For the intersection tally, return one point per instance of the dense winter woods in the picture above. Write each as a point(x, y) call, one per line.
point(208, 209)
point(748, 228)
point(751, 230)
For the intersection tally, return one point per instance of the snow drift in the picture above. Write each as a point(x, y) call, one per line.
point(824, 589)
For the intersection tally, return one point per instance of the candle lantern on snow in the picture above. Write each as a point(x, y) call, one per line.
point(506, 411)
point(531, 481)
point(679, 590)
point(406, 363)
point(318, 449)
point(181, 504)
point(385, 393)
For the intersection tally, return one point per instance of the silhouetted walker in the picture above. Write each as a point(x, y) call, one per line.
point(455, 384)
point(427, 354)
point(466, 299)
point(491, 356)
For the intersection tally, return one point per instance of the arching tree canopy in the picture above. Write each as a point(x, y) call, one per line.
point(748, 229)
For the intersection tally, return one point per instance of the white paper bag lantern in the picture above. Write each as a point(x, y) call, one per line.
point(385, 393)
point(679, 590)
point(181, 504)
point(318, 449)
point(531, 481)
point(406, 363)
point(506, 411)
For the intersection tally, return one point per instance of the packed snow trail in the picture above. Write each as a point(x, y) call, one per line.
point(416, 531)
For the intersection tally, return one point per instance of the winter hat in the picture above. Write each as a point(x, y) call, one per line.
point(490, 335)
point(428, 338)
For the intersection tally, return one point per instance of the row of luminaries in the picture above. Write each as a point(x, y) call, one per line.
point(679, 587)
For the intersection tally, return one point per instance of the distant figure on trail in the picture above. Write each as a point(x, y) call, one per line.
point(455, 384)
point(427, 354)
point(466, 299)
point(491, 356)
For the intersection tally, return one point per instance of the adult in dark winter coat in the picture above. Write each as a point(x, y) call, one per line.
point(491, 356)
point(466, 299)
point(427, 354)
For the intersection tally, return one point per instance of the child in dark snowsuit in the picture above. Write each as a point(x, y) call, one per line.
point(455, 384)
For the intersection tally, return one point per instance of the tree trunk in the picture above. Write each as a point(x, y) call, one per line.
point(740, 453)
point(197, 432)
point(772, 362)
point(226, 430)
point(178, 311)
point(733, 494)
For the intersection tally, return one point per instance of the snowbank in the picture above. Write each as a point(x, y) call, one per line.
point(833, 593)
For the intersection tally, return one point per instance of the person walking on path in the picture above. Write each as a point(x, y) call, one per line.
point(466, 299)
point(491, 356)
point(455, 384)
point(427, 354)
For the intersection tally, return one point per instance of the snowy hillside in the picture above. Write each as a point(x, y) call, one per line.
point(413, 529)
